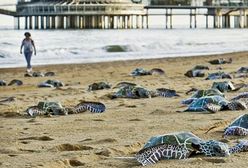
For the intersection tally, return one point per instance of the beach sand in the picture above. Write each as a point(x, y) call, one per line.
point(107, 139)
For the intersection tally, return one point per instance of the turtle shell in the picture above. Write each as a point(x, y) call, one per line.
point(218, 75)
point(178, 138)
point(140, 72)
point(15, 82)
point(208, 92)
point(168, 146)
point(133, 92)
point(99, 86)
point(179, 145)
point(223, 86)
point(200, 104)
point(55, 83)
point(54, 108)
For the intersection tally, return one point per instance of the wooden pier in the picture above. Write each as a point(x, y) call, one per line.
point(80, 14)
point(221, 15)
point(117, 14)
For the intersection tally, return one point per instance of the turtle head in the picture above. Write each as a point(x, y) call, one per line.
point(212, 148)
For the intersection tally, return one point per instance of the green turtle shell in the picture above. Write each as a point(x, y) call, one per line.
point(201, 103)
point(208, 92)
point(178, 138)
point(223, 86)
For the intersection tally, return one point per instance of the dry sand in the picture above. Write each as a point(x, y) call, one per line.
point(97, 140)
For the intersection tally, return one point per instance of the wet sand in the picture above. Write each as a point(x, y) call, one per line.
point(105, 140)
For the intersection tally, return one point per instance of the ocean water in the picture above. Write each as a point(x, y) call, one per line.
point(84, 46)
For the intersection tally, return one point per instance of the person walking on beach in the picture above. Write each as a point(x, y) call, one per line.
point(29, 47)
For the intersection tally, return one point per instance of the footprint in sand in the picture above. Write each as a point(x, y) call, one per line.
point(71, 147)
point(42, 138)
point(135, 119)
point(11, 114)
point(214, 160)
point(158, 112)
point(73, 163)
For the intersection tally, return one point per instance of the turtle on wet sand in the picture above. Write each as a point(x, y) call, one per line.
point(140, 72)
point(179, 145)
point(157, 71)
point(220, 61)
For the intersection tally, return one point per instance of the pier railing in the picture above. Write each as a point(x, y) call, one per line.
point(87, 9)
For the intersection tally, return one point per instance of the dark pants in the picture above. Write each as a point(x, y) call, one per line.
point(28, 56)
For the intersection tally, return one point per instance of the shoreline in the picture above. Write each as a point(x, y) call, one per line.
point(98, 140)
point(133, 60)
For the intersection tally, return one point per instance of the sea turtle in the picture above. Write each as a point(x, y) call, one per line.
point(179, 145)
point(242, 70)
point(44, 108)
point(133, 92)
point(140, 72)
point(55, 83)
point(220, 61)
point(223, 86)
point(38, 74)
point(207, 104)
point(166, 92)
point(99, 86)
point(194, 73)
point(15, 82)
point(49, 74)
point(238, 127)
point(44, 84)
point(202, 93)
point(197, 71)
point(219, 75)
point(94, 107)
point(51, 83)
point(3, 83)
point(157, 71)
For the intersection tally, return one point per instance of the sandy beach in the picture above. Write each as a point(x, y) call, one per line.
point(106, 140)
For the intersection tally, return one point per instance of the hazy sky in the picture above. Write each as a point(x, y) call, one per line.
point(6, 20)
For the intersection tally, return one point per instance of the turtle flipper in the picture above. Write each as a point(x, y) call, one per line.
point(242, 146)
point(94, 107)
point(153, 154)
point(237, 105)
point(34, 111)
point(236, 130)
point(212, 107)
